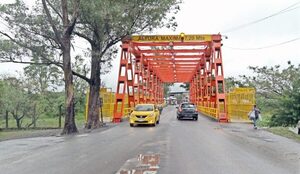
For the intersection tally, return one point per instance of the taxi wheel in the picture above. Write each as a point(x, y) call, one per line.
point(131, 124)
point(157, 122)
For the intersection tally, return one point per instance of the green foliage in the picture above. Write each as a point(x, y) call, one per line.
point(15, 100)
point(167, 89)
point(186, 86)
point(124, 17)
point(30, 39)
point(289, 112)
point(25, 101)
point(278, 92)
point(104, 23)
point(232, 83)
point(41, 78)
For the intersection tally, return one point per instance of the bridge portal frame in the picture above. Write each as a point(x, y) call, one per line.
point(149, 61)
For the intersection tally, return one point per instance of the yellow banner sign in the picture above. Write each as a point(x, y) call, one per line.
point(169, 38)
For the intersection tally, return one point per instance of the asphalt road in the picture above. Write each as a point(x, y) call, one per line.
point(183, 147)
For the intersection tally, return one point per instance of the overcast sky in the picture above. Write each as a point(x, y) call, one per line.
point(243, 48)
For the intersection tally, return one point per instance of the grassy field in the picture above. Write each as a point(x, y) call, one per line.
point(41, 122)
point(44, 127)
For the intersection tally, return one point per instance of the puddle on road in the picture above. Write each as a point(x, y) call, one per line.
point(236, 130)
point(268, 140)
point(21, 144)
point(82, 135)
point(142, 164)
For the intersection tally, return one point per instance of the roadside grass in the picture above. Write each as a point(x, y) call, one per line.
point(285, 132)
point(13, 133)
point(41, 122)
point(44, 127)
point(282, 131)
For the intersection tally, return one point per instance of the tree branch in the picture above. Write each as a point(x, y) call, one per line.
point(24, 62)
point(31, 49)
point(56, 32)
point(84, 37)
point(54, 9)
point(75, 14)
point(81, 76)
point(110, 44)
point(50, 62)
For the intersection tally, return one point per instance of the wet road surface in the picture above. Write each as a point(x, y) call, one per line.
point(172, 147)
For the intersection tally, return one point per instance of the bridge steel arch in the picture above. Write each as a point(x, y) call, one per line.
point(149, 61)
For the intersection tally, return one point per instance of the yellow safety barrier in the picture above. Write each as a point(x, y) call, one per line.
point(239, 102)
point(211, 112)
point(108, 99)
point(108, 103)
point(127, 112)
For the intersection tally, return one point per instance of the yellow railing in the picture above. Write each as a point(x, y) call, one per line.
point(211, 112)
point(239, 102)
point(127, 112)
point(108, 99)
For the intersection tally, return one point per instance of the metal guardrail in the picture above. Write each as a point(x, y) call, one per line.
point(211, 112)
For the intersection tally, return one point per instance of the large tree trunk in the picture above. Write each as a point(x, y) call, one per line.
point(34, 118)
point(94, 102)
point(70, 126)
point(17, 118)
point(18, 122)
point(6, 119)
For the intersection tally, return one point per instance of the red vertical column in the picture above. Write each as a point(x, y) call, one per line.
point(155, 89)
point(137, 69)
point(141, 81)
point(219, 79)
point(130, 81)
point(121, 85)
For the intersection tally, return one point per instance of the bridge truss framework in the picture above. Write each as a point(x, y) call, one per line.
point(149, 61)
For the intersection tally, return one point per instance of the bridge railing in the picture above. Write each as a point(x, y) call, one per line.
point(211, 112)
point(239, 102)
point(108, 103)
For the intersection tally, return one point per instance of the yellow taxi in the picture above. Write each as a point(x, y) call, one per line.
point(144, 114)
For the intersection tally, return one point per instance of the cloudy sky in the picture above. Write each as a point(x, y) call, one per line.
point(245, 45)
point(251, 42)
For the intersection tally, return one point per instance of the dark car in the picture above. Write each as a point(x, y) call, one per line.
point(187, 110)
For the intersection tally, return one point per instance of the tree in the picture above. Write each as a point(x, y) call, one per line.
point(231, 82)
point(63, 38)
point(278, 91)
point(42, 78)
point(36, 36)
point(185, 86)
point(105, 23)
point(15, 100)
point(80, 85)
point(41, 82)
point(102, 24)
point(167, 89)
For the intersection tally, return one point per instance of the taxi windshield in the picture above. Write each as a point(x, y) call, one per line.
point(144, 108)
